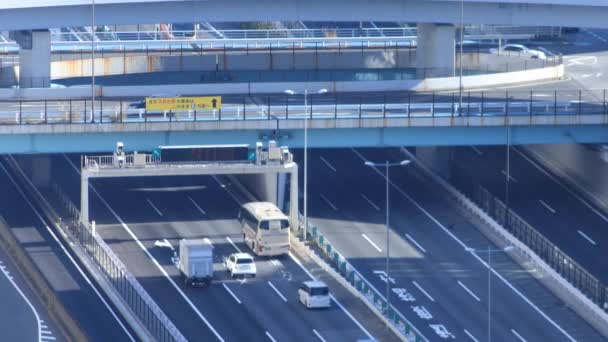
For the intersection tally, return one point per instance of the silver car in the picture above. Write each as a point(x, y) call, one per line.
point(519, 51)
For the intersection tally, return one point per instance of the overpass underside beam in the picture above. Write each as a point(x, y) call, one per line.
point(435, 53)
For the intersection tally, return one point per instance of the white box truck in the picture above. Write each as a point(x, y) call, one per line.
point(196, 261)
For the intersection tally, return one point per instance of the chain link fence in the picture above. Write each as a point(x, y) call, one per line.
point(563, 264)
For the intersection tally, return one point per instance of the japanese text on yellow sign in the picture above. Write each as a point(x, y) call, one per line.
point(184, 103)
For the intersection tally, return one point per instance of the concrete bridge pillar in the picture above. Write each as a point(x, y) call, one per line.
point(437, 158)
point(436, 50)
point(34, 58)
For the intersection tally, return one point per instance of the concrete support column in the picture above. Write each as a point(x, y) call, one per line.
point(436, 50)
point(84, 198)
point(263, 185)
point(34, 58)
point(281, 187)
point(294, 220)
point(40, 171)
point(437, 158)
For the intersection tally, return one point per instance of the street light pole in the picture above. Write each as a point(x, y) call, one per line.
point(387, 165)
point(460, 57)
point(490, 251)
point(93, 63)
point(291, 92)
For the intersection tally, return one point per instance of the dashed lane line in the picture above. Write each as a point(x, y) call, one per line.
point(371, 242)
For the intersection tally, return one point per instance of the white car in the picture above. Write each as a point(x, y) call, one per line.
point(240, 264)
point(519, 50)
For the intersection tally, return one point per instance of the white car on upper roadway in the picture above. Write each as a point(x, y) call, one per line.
point(240, 264)
point(519, 50)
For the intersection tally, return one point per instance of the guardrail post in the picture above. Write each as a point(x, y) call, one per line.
point(507, 103)
point(384, 104)
point(84, 115)
point(268, 106)
point(433, 105)
point(605, 102)
point(481, 110)
point(453, 109)
point(101, 111)
point(336, 107)
point(70, 109)
point(360, 105)
point(555, 104)
point(580, 97)
point(468, 103)
point(244, 108)
point(531, 103)
point(286, 106)
point(120, 104)
point(20, 111)
point(409, 102)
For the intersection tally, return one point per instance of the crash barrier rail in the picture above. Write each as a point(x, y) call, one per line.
point(110, 161)
point(181, 73)
point(367, 291)
point(559, 261)
point(159, 326)
point(563, 107)
point(395, 32)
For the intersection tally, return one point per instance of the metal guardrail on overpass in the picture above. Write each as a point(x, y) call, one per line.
point(525, 108)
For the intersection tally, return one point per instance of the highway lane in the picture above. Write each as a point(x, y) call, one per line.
point(536, 195)
point(21, 308)
point(156, 209)
point(448, 280)
point(83, 301)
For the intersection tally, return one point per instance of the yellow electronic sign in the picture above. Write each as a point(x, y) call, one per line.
point(184, 103)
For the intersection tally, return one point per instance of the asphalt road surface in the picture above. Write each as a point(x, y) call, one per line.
point(73, 288)
point(140, 218)
point(437, 284)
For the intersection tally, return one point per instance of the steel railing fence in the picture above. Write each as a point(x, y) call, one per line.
point(159, 326)
point(563, 264)
point(566, 107)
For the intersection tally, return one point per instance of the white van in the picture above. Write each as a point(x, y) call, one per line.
point(314, 294)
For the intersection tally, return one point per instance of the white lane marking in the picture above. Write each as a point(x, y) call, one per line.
point(333, 298)
point(197, 206)
point(270, 337)
point(328, 164)
point(25, 299)
point(415, 242)
point(598, 213)
point(470, 335)
point(154, 261)
point(464, 246)
point(371, 242)
point(231, 293)
point(547, 206)
point(422, 290)
point(50, 338)
point(154, 207)
point(510, 177)
point(318, 335)
point(233, 244)
point(43, 326)
point(587, 238)
point(46, 332)
point(478, 151)
point(65, 251)
point(469, 291)
point(370, 202)
point(328, 202)
point(518, 336)
point(277, 291)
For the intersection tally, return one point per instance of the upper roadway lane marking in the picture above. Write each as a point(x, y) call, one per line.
point(587, 238)
point(277, 291)
point(423, 291)
point(370, 202)
point(415, 242)
point(470, 335)
point(318, 335)
point(547, 206)
point(328, 202)
point(231, 293)
point(154, 207)
point(328, 164)
point(197, 206)
point(468, 290)
point(518, 335)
